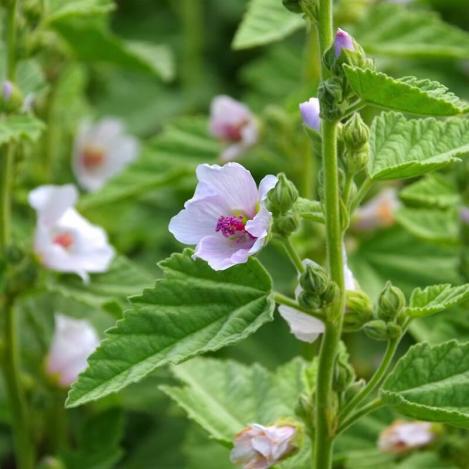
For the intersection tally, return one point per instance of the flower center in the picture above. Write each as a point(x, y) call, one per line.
point(92, 157)
point(233, 132)
point(233, 227)
point(63, 239)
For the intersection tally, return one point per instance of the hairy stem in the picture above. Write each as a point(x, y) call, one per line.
point(293, 255)
point(281, 299)
point(365, 410)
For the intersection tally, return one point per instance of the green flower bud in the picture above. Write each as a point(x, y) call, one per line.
point(330, 94)
point(285, 225)
point(355, 133)
point(358, 310)
point(357, 160)
point(354, 389)
point(390, 302)
point(282, 197)
point(376, 330)
point(309, 301)
point(314, 279)
point(329, 295)
point(12, 98)
point(344, 373)
point(394, 330)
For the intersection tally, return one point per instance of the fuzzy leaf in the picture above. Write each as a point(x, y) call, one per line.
point(265, 21)
point(407, 94)
point(435, 299)
point(431, 383)
point(16, 127)
point(400, 32)
point(433, 190)
point(191, 310)
point(402, 148)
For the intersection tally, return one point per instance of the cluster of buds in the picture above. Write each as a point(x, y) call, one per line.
point(389, 316)
point(355, 136)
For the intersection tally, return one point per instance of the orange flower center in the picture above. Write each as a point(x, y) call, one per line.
point(63, 239)
point(92, 157)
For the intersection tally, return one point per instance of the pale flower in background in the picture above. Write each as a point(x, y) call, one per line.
point(65, 241)
point(310, 111)
point(234, 124)
point(259, 447)
point(379, 212)
point(226, 219)
point(403, 436)
point(101, 151)
point(73, 342)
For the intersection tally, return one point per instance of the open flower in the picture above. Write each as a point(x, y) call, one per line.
point(343, 40)
point(259, 447)
point(403, 436)
point(233, 123)
point(304, 326)
point(101, 151)
point(73, 342)
point(379, 212)
point(310, 113)
point(65, 241)
point(227, 218)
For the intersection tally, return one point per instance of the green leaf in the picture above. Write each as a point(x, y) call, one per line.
point(402, 148)
point(59, 9)
point(82, 37)
point(407, 94)
point(225, 396)
point(434, 190)
point(431, 383)
point(191, 310)
point(430, 224)
point(17, 127)
point(435, 299)
point(401, 32)
point(265, 21)
point(309, 209)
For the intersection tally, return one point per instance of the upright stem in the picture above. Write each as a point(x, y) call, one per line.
point(325, 409)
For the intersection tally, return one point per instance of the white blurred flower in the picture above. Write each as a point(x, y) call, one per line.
point(233, 123)
point(259, 447)
point(101, 151)
point(403, 436)
point(65, 241)
point(379, 212)
point(73, 342)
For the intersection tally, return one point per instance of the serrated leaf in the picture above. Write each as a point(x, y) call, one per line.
point(434, 299)
point(225, 396)
point(407, 94)
point(431, 383)
point(430, 224)
point(60, 9)
point(191, 310)
point(400, 32)
point(434, 190)
point(265, 21)
point(402, 148)
point(16, 127)
point(82, 37)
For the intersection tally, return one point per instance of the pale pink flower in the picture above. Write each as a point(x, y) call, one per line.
point(310, 111)
point(101, 151)
point(65, 241)
point(73, 342)
point(303, 326)
point(379, 212)
point(403, 436)
point(226, 219)
point(234, 124)
point(259, 447)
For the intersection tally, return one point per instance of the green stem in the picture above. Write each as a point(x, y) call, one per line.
point(364, 188)
point(6, 176)
point(292, 254)
point(281, 299)
point(375, 380)
point(366, 409)
point(347, 188)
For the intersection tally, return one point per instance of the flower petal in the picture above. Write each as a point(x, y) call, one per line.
point(304, 327)
point(267, 184)
point(221, 253)
point(260, 224)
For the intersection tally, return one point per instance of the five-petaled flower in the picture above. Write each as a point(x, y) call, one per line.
point(73, 342)
point(101, 151)
point(234, 124)
point(403, 436)
point(226, 218)
point(343, 40)
point(65, 241)
point(259, 447)
point(310, 113)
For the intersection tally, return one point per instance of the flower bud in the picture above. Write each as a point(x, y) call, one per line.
point(394, 330)
point(330, 93)
point(285, 225)
point(12, 99)
point(309, 301)
point(354, 389)
point(310, 113)
point(314, 279)
point(344, 374)
point(390, 302)
point(376, 330)
point(282, 197)
point(329, 295)
point(343, 40)
point(358, 310)
point(355, 132)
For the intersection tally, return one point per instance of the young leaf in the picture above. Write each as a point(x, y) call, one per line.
point(402, 148)
point(435, 299)
point(407, 94)
point(430, 224)
point(191, 310)
point(16, 127)
point(400, 32)
point(433, 190)
point(265, 21)
point(431, 383)
point(225, 396)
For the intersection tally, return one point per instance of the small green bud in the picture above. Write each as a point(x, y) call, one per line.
point(390, 302)
point(376, 330)
point(354, 389)
point(12, 98)
point(329, 295)
point(358, 310)
point(355, 133)
point(357, 160)
point(314, 279)
point(282, 197)
point(285, 225)
point(394, 330)
point(309, 301)
point(344, 373)
point(330, 94)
